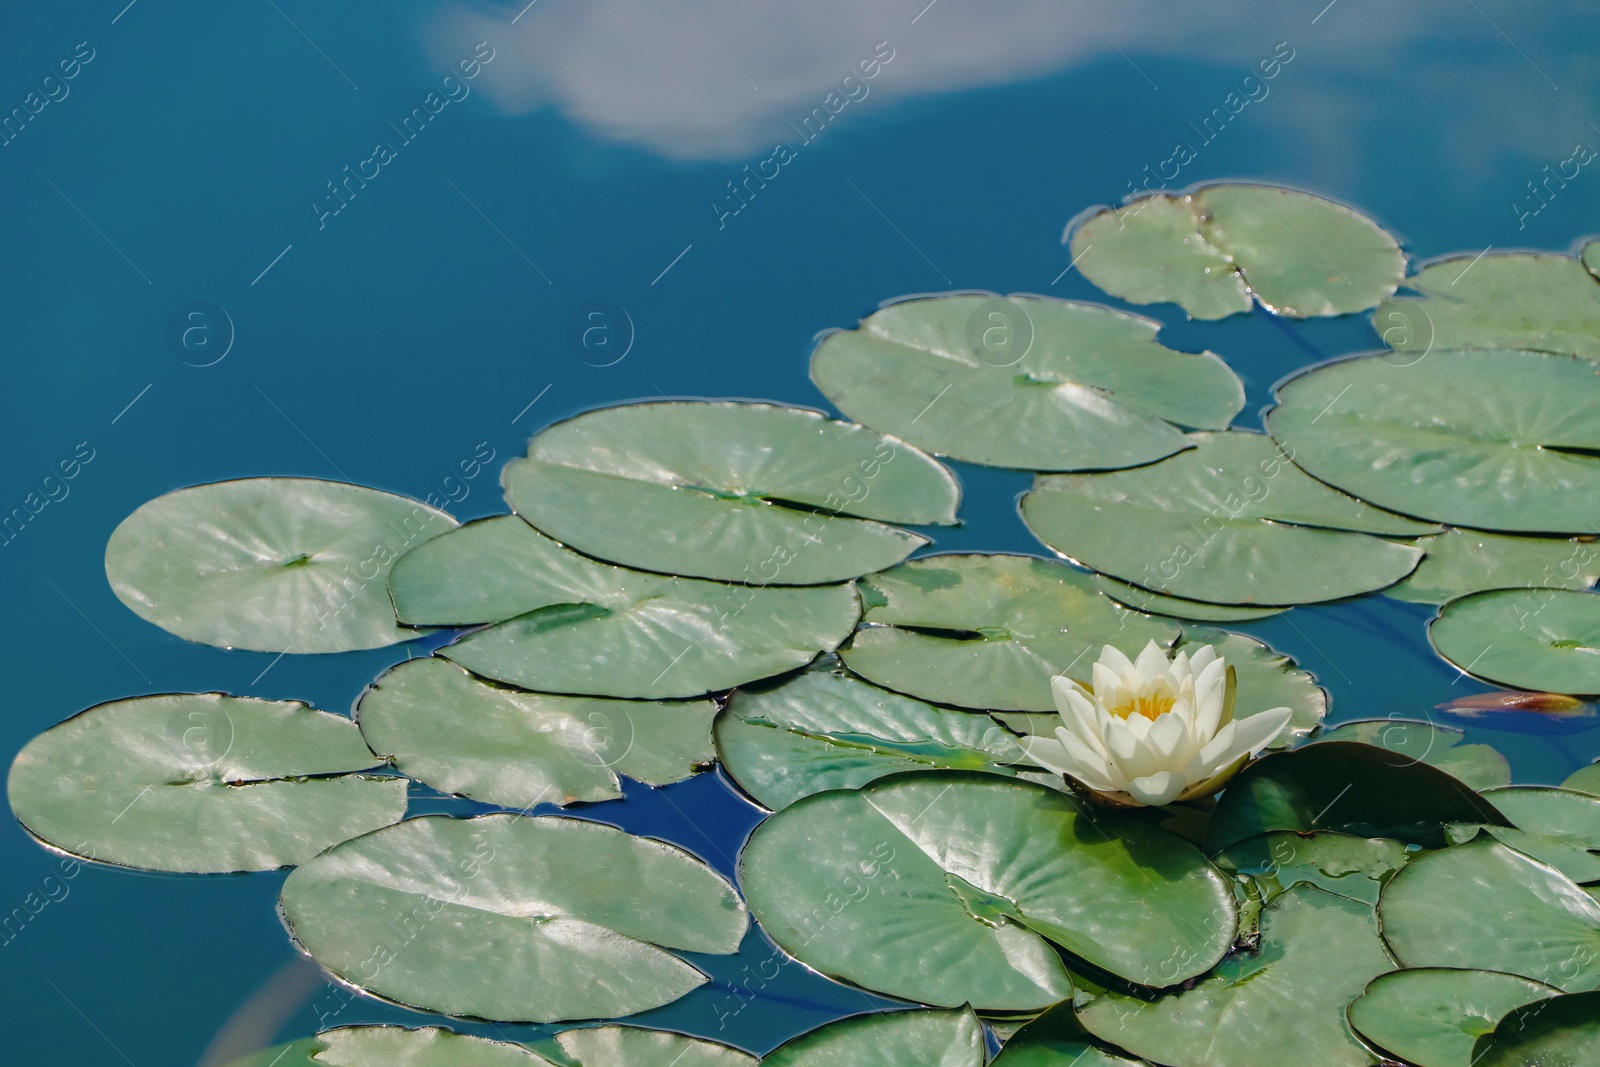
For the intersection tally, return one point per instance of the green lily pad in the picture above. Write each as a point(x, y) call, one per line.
point(1431, 1016)
point(1488, 907)
point(826, 730)
point(1349, 787)
point(1584, 779)
point(1131, 596)
point(440, 725)
point(1562, 1031)
point(989, 631)
point(1354, 867)
point(201, 783)
point(1575, 861)
point(570, 625)
point(1283, 1003)
point(1492, 439)
point(750, 492)
point(394, 1046)
point(269, 564)
point(1057, 1039)
point(952, 887)
point(1266, 679)
point(512, 917)
point(1212, 250)
point(1458, 562)
point(1230, 521)
point(1541, 639)
point(1502, 300)
point(1024, 381)
point(888, 1039)
point(1560, 827)
point(631, 1046)
point(1479, 766)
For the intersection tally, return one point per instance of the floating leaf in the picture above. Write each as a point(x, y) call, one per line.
point(1349, 787)
point(631, 1046)
point(825, 730)
point(989, 631)
point(1545, 639)
point(395, 1046)
point(1266, 679)
point(1505, 300)
point(1585, 779)
point(269, 564)
point(512, 917)
point(1560, 827)
point(1430, 1016)
point(1057, 1039)
point(1024, 382)
point(440, 725)
point(1493, 439)
point(1284, 1003)
point(1479, 766)
point(1212, 250)
point(888, 1039)
point(1131, 596)
point(1562, 1031)
point(572, 625)
point(749, 492)
point(1458, 562)
point(201, 783)
point(1488, 907)
point(1230, 521)
point(1354, 867)
point(950, 887)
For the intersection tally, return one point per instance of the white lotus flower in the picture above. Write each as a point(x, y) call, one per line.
point(1154, 731)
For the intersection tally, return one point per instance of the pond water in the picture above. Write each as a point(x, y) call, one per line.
point(400, 327)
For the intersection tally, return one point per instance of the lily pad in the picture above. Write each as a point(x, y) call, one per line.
point(1230, 521)
point(1266, 679)
point(1212, 250)
point(1492, 439)
point(1501, 300)
point(394, 1046)
point(1348, 787)
point(1354, 867)
point(1488, 907)
point(270, 564)
point(1024, 381)
point(1458, 562)
point(1431, 1016)
point(1131, 596)
point(826, 730)
point(632, 1046)
point(512, 917)
point(201, 783)
point(888, 1039)
point(1562, 1031)
point(1585, 779)
point(571, 625)
point(1057, 1039)
point(1479, 766)
point(1560, 827)
point(1542, 639)
point(1283, 1003)
point(742, 492)
point(440, 725)
point(989, 631)
point(951, 888)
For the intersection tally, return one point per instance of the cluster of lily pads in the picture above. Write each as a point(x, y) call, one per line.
point(682, 584)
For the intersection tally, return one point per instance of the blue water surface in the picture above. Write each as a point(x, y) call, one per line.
point(395, 220)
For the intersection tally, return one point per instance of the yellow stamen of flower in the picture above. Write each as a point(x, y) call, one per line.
point(1150, 705)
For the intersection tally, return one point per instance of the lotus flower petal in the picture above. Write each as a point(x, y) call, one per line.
point(1152, 731)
